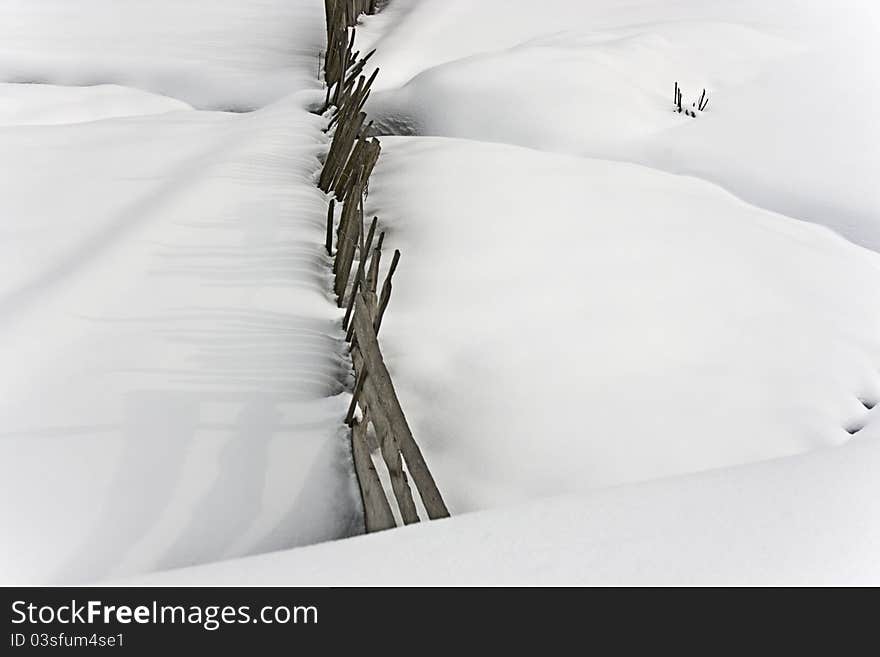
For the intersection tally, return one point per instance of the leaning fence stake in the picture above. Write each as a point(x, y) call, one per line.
point(329, 240)
point(377, 510)
point(359, 387)
point(386, 292)
point(365, 251)
point(361, 285)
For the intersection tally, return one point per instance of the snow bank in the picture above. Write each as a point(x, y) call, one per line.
point(790, 124)
point(42, 104)
point(223, 54)
point(171, 388)
point(171, 366)
point(810, 520)
point(562, 323)
point(413, 36)
point(578, 93)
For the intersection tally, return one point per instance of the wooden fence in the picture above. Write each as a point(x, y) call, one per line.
point(376, 417)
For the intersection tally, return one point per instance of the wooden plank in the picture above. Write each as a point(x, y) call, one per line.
point(355, 161)
point(358, 68)
point(386, 292)
point(358, 389)
point(328, 242)
point(353, 74)
point(340, 149)
point(399, 483)
point(346, 249)
point(343, 142)
point(368, 285)
point(389, 448)
point(375, 261)
point(349, 216)
point(388, 444)
point(346, 62)
point(359, 276)
point(377, 511)
point(390, 407)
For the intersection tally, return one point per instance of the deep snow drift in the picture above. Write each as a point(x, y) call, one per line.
point(172, 369)
point(173, 372)
point(793, 92)
point(172, 381)
point(562, 323)
point(810, 520)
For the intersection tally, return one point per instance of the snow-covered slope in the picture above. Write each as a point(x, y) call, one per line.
point(172, 379)
point(171, 389)
point(222, 54)
point(562, 323)
point(810, 520)
point(172, 371)
point(793, 94)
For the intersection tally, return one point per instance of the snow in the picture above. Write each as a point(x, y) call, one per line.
point(615, 323)
point(597, 79)
point(172, 388)
point(43, 104)
point(808, 520)
point(219, 54)
point(618, 374)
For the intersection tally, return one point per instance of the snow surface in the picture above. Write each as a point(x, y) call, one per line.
point(172, 369)
point(43, 104)
point(808, 520)
point(220, 54)
point(172, 388)
point(793, 93)
point(561, 323)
